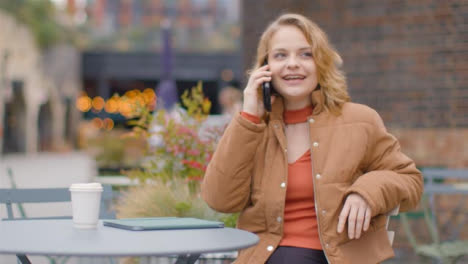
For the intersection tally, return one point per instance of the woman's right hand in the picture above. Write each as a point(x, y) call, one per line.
point(253, 103)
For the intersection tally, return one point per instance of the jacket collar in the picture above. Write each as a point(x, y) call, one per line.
point(277, 108)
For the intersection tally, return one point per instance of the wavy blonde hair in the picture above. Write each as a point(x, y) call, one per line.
point(331, 79)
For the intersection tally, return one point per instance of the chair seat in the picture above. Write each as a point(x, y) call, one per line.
point(444, 249)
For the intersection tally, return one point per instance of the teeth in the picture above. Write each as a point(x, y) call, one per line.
point(294, 77)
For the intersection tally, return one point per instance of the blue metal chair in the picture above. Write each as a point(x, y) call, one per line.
point(49, 195)
point(451, 249)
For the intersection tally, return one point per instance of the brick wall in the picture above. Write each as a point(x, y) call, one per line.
point(406, 59)
point(434, 147)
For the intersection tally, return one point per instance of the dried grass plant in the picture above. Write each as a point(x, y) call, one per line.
point(158, 199)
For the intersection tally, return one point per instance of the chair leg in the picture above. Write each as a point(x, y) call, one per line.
point(447, 260)
point(456, 259)
point(51, 260)
point(64, 259)
point(188, 259)
point(23, 259)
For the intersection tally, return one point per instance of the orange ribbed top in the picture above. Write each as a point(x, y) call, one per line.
point(300, 220)
point(300, 227)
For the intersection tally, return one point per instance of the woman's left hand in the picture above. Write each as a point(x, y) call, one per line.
point(358, 213)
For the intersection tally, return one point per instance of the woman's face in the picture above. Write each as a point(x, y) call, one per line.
point(293, 67)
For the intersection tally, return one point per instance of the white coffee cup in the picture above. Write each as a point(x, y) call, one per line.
point(86, 200)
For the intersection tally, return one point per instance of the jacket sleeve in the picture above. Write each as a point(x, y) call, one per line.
point(226, 184)
point(391, 178)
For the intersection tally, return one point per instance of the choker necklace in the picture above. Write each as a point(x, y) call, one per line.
point(297, 116)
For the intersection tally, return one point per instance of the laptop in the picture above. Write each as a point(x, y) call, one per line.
point(161, 223)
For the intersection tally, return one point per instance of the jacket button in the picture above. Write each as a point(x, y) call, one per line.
point(318, 176)
point(315, 144)
point(270, 248)
point(276, 126)
point(324, 212)
point(283, 184)
point(311, 120)
point(285, 150)
point(279, 219)
point(327, 245)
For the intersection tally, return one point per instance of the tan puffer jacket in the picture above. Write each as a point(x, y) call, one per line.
point(352, 152)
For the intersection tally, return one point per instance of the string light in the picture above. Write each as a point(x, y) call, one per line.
point(127, 105)
point(112, 105)
point(98, 103)
point(84, 103)
point(97, 122)
point(108, 124)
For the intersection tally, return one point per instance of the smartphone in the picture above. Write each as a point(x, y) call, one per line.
point(267, 91)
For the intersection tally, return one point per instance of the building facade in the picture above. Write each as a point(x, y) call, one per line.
point(133, 25)
point(36, 92)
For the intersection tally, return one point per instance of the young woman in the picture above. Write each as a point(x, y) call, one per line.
point(315, 177)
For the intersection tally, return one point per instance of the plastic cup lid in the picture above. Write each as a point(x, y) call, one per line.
point(86, 186)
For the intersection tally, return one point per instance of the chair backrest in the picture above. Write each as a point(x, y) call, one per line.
point(431, 173)
point(50, 195)
point(428, 224)
point(435, 176)
point(391, 234)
